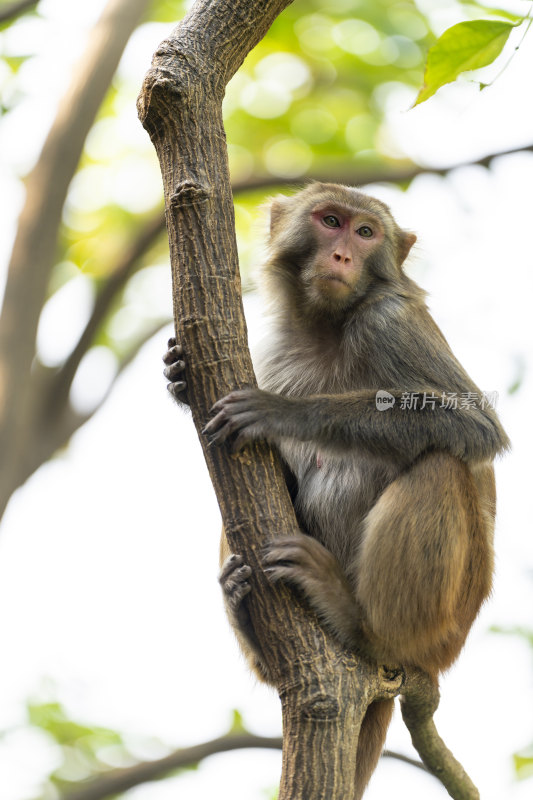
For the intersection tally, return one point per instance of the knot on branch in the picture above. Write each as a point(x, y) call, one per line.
point(391, 680)
point(188, 193)
point(321, 707)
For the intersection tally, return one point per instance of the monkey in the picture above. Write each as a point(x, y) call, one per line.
point(396, 502)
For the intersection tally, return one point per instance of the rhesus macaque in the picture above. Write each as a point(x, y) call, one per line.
point(396, 501)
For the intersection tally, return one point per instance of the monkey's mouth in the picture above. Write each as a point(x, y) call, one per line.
point(329, 278)
point(333, 287)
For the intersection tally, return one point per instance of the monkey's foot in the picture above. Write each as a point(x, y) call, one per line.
point(233, 578)
point(305, 563)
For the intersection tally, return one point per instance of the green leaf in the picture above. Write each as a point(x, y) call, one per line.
point(465, 46)
point(237, 722)
point(15, 62)
point(523, 763)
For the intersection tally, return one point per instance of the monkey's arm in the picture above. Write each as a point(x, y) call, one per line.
point(339, 423)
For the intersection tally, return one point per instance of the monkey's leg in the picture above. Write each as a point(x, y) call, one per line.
point(233, 579)
point(305, 563)
point(425, 562)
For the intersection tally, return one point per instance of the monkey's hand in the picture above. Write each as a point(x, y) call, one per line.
point(248, 414)
point(303, 562)
point(174, 372)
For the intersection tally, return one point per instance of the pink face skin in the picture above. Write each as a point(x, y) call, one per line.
point(345, 240)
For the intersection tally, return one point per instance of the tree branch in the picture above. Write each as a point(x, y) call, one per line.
point(405, 760)
point(121, 780)
point(105, 298)
point(36, 240)
point(16, 9)
point(359, 176)
point(419, 702)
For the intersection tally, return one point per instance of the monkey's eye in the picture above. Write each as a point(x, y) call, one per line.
point(365, 231)
point(331, 221)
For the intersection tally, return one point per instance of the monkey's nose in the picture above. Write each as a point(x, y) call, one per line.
point(341, 258)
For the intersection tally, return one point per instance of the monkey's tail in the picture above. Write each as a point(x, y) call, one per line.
point(371, 741)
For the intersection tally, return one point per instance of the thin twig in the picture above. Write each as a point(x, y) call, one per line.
point(413, 762)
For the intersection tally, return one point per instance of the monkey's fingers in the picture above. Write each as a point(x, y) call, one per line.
point(297, 575)
point(287, 552)
point(237, 399)
point(288, 573)
point(173, 353)
point(174, 370)
point(218, 429)
point(177, 389)
point(224, 425)
point(235, 589)
point(300, 545)
point(231, 564)
point(234, 581)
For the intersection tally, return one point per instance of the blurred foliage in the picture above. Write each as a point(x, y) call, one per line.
point(523, 759)
point(95, 759)
point(85, 752)
point(316, 89)
point(313, 97)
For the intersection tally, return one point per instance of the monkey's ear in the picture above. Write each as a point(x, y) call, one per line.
point(277, 211)
point(406, 241)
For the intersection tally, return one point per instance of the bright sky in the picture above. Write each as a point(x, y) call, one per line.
point(108, 556)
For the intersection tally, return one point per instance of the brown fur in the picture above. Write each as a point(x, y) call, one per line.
point(398, 505)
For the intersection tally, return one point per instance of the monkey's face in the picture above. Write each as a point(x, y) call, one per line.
point(329, 244)
point(345, 240)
